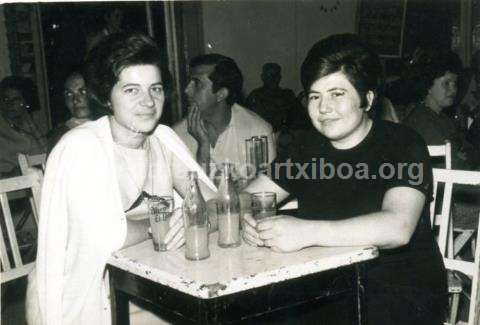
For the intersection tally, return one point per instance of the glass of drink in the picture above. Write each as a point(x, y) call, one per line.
point(264, 205)
point(160, 210)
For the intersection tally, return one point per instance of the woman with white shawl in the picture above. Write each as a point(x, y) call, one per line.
point(99, 177)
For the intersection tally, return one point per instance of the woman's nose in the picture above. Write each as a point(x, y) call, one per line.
point(148, 100)
point(324, 106)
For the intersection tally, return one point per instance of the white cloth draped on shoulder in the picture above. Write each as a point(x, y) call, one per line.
point(82, 223)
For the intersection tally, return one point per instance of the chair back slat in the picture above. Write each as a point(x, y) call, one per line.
point(10, 257)
point(39, 162)
point(3, 247)
point(17, 272)
point(12, 236)
point(465, 177)
point(465, 267)
point(475, 295)
point(444, 221)
point(443, 150)
point(27, 161)
point(19, 183)
point(432, 204)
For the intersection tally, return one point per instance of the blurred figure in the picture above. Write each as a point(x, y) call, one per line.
point(76, 101)
point(473, 133)
point(217, 126)
point(434, 76)
point(276, 105)
point(18, 132)
point(470, 104)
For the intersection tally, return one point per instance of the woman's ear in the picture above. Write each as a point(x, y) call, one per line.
point(370, 97)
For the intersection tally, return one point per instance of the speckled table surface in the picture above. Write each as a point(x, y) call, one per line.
point(232, 270)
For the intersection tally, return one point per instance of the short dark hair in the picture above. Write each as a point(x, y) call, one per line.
point(76, 71)
point(346, 53)
point(272, 66)
point(225, 74)
point(427, 65)
point(114, 53)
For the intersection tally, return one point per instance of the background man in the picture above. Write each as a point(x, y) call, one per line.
point(278, 106)
point(216, 127)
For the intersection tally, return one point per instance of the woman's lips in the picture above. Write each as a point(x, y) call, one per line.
point(146, 115)
point(327, 121)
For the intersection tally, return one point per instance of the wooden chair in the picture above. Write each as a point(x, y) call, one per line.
point(12, 265)
point(443, 150)
point(27, 161)
point(464, 235)
point(446, 241)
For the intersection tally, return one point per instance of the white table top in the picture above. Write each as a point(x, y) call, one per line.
point(231, 270)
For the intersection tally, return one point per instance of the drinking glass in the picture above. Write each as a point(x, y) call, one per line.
point(264, 205)
point(160, 210)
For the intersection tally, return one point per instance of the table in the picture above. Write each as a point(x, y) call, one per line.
point(234, 284)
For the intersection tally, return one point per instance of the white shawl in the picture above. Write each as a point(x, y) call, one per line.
point(81, 224)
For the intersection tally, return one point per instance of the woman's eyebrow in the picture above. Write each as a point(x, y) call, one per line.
point(130, 84)
point(337, 88)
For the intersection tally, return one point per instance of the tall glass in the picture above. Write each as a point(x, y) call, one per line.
point(264, 205)
point(196, 221)
point(228, 210)
point(160, 211)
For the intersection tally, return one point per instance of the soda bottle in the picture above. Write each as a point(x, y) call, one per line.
point(196, 221)
point(228, 210)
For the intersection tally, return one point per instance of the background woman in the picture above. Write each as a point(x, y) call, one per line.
point(434, 75)
point(407, 283)
point(76, 101)
point(18, 132)
point(98, 177)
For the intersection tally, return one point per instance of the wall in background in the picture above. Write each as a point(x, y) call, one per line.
point(253, 33)
point(4, 56)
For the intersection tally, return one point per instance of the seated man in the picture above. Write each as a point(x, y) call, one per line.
point(276, 105)
point(216, 127)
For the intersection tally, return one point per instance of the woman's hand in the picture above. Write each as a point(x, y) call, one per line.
point(284, 233)
point(250, 234)
point(176, 234)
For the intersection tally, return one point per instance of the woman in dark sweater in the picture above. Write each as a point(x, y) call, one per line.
point(359, 182)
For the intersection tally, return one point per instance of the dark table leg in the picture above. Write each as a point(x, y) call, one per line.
point(119, 304)
point(360, 294)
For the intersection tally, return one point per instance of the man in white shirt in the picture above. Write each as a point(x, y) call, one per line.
point(216, 127)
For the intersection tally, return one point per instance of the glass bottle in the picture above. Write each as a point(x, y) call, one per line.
point(228, 210)
point(196, 221)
